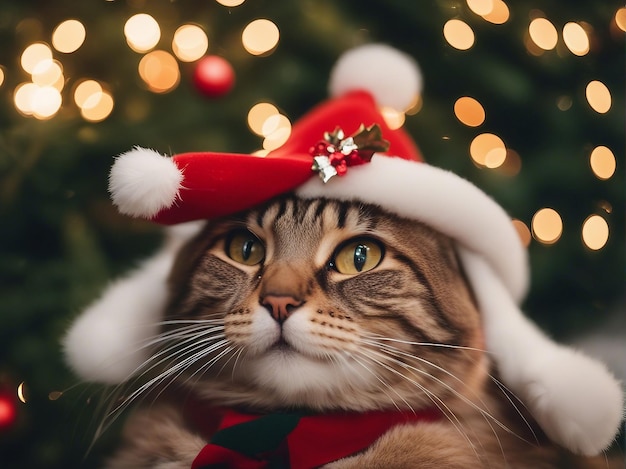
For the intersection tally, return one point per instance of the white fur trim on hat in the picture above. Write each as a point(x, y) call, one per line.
point(441, 199)
point(575, 399)
point(109, 341)
point(143, 182)
point(392, 77)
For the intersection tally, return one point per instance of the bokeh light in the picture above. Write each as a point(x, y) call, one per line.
point(543, 33)
point(260, 36)
point(602, 161)
point(523, 231)
point(159, 70)
point(68, 36)
point(230, 3)
point(499, 14)
point(469, 111)
point(576, 38)
point(48, 73)
point(142, 32)
point(595, 232)
point(620, 18)
point(1, 75)
point(42, 102)
point(458, 34)
point(512, 164)
point(393, 118)
point(190, 43)
point(258, 114)
point(547, 226)
point(480, 7)
point(87, 93)
point(35, 54)
point(488, 150)
point(598, 96)
point(276, 129)
point(97, 110)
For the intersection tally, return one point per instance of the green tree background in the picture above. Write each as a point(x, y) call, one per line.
point(61, 240)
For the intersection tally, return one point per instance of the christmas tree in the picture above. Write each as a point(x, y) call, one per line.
point(525, 100)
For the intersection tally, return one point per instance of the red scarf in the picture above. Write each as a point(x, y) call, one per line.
point(295, 440)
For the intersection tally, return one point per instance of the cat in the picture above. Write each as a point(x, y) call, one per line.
point(324, 307)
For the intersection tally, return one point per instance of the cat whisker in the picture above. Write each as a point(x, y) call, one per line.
point(384, 385)
point(436, 400)
point(485, 413)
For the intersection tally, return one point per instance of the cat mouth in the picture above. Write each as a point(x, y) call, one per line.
point(282, 345)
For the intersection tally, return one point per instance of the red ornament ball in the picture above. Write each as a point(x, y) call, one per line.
point(8, 412)
point(213, 76)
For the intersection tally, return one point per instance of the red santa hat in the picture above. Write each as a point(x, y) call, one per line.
point(344, 150)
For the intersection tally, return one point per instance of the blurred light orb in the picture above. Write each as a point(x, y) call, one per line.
point(258, 114)
point(46, 102)
point(469, 111)
point(598, 96)
point(481, 7)
point(620, 18)
point(547, 226)
point(276, 129)
point(230, 3)
point(68, 36)
point(1, 75)
point(488, 150)
point(602, 161)
point(458, 34)
point(47, 73)
point(99, 110)
point(87, 93)
point(499, 14)
point(393, 118)
point(34, 54)
point(543, 33)
point(595, 232)
point(142, 32)
point(260, 36)
point(22, 97)
point(190, 43)
point(576, 39)
point(523, 231)
point(159, 70)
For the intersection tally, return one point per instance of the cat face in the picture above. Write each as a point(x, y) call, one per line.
point(321, 304)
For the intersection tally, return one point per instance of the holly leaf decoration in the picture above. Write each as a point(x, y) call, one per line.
point(369, 140)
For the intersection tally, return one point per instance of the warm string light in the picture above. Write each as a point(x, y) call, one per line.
point(230, 3)
point(543, 33)
point(523, 231)
point(458, 34)
point(598, 96)
point(576, 39)
point(190, 43)
point(159, 70)
point(469, 111)
point(602, 161)
point(142, 32)
point(595, 232)
point(68, 36)
point(260, 37)
point(265, 120)
point(499, 13)
point(547, 226)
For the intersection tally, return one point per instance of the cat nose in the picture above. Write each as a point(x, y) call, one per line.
point(280, 306)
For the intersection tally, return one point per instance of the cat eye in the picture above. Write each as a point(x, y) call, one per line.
point(245, 248)
point(357, 256)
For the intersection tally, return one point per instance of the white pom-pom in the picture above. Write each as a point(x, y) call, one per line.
point(392, 77)
point(143, 182)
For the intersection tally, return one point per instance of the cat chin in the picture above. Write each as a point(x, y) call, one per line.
point(297, 379)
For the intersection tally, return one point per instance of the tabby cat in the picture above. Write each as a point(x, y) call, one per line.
point(325, 306)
